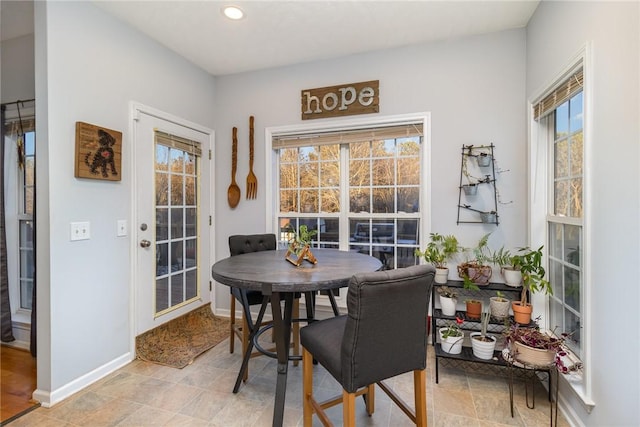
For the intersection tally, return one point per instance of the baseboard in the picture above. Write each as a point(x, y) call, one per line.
point(48, 399)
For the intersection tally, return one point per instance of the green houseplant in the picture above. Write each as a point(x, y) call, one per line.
point(509, 267)
point(529, 262)
point(299, 247)
point(478, 270)
point(448, 299)
point(483, 345)
point(440, 249)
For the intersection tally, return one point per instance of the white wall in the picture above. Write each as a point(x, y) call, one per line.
point(89, 66)
point(473, 87)
point(557, 31)
point(17, 69)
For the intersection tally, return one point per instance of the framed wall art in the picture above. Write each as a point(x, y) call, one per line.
point(98, 152)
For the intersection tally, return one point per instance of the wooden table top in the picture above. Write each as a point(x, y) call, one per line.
point(254, 270)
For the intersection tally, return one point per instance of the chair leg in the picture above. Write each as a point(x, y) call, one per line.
point(420, 392)
point(370, 399)
point(307, 387)
point(296, 330)
point(232, 324)
point(348, 409)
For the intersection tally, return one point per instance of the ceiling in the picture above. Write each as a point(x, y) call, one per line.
point(278, 33)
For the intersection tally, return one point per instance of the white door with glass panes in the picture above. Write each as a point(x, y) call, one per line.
point(171, 226)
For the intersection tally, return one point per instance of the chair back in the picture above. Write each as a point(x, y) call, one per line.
point(245, 243)
point(386, 328)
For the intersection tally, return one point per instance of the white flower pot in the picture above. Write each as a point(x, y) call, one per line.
point(451, 345)
point(532, 356)
point(442, 275)
point(482, 349)
point(512, 277)
point(448, 306)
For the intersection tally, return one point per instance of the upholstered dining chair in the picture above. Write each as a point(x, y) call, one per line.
point(383, 334)
point(242, 244)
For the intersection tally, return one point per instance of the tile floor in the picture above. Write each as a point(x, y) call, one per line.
point(146, 394)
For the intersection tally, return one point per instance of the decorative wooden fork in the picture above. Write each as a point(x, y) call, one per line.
point(252, 181)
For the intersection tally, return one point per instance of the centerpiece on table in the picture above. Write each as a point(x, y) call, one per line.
point(299, 248)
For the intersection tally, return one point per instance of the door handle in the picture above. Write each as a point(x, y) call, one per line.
point(145, 243)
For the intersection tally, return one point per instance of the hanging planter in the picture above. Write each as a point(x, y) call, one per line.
point(470, 189)
point(489, 217)
point(484, 159)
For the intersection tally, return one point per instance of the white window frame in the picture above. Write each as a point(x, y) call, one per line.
point(271, 162)
point(540, 175)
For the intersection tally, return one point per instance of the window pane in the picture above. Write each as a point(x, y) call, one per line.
point(408, 199)
point(288, 176)
point(191, 253)
point(176, 223)
point(383, 200)
point(330, 152)
point(555, 240)
point(177, 160)
point(383, 172)
point(562, 120)
point(360, 150)
point(562, 159)
point(162, 158)
point(288, 201)
point(409, 171)
point(555, 278)
point(162, 294)
point(330, 201)
point(330, 174)
point(408, 146)
point(162, 224)
point(26, 294)
point(309, 175)
point(191, 288)
point(191, 222)
point(26, 264)
point(408, 231)
point(309, 201)
point(576, 154)
point(359, 174)
point(359, 200)
point(176, 189)
point(561, 200)
point(190, 191)
point(575, 108)
point(572, 244)
point(576, 198)
point(573, 326)
point(177, 289)
point(385, 148)
point(26, 234)
point(189, 164)
point(162, 189)
point(162, 259)
point(572, 288)
point(329, 230)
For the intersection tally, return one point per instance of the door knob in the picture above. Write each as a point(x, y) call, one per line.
point(145, 243)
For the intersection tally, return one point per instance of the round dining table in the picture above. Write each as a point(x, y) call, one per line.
point(279, 280)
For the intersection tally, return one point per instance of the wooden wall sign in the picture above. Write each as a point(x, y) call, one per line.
point(342, 100)
point(98, 152)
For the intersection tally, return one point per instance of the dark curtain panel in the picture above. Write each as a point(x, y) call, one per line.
point(6, 332)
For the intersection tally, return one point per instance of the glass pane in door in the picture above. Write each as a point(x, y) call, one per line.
point(176, 182)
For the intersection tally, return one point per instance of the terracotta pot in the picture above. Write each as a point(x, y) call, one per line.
point(521, 313)
point(474, 309)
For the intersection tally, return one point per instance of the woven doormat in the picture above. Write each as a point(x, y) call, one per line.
point(178, 342)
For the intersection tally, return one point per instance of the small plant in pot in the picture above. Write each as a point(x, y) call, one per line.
point(530, 346)
point(530, 263)
point(477, 271)
point(483, 345)
point(299, 248)
point(509, 267)
point(448, 300)
point(474, 308)
point(440, 249)
point(451, 337)
point(499, 306)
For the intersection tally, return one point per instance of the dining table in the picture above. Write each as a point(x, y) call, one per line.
point(280, 280)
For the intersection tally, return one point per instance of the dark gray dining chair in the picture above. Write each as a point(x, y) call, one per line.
point(242, 244)
point(383, 334)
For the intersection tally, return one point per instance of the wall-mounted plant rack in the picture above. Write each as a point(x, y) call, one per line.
point(478, 159)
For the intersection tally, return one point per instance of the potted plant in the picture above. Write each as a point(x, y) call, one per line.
point(509, 267)
point(448, 299)
point(299, 248)
point(474, 308)
point(439, 249)
point(451, 337)
point(477, 271)
point(530, 346)
point(499, 306)
point(483, 345)
point(530, 264)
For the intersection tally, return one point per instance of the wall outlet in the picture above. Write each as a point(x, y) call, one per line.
point(122, 227)
point(80, 231)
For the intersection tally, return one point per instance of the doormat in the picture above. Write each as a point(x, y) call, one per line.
point(178, 342)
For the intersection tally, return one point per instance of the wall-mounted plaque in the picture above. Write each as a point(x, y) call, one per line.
point(98, 152)
point(342, 100)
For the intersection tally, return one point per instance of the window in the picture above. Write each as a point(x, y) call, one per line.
point(359, 189)
point(20, 140)
point(560, 114)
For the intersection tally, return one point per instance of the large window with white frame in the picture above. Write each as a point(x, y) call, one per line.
point(560, 114)
point(359, 189)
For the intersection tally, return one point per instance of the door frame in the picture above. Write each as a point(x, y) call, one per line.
point(135, 110)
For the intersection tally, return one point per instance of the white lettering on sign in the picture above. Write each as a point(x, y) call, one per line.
point(342, 100)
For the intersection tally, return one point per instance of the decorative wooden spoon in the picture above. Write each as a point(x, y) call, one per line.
point(233, 193)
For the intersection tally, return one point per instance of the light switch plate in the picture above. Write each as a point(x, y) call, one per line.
point(80, 231)
point(122, 227)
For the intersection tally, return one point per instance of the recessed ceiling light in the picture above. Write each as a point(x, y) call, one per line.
point(233, 12)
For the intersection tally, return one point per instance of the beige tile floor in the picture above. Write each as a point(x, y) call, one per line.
point(146, 394)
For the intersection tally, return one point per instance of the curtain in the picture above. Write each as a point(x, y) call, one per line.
point(6, 331)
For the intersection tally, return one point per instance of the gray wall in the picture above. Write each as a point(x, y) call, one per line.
point(557, 31)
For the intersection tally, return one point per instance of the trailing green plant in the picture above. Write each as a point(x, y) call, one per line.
point(439, 249)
